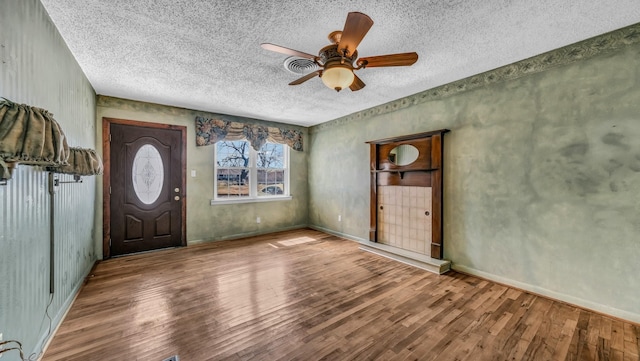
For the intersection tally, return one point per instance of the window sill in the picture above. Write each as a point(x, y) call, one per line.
point(215, 202)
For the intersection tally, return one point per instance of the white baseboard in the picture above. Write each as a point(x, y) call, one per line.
point(56, 321)
point(589, 305)
point(575, 301)
point(397, 254)
point(339, 234)
point(245, 235)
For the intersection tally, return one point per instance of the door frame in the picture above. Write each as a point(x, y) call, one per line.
point(106, 178)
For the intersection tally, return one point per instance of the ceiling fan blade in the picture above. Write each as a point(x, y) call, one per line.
point(357, 84)
point(283, 50)
point(402, 59)
point(355, 28)
point(305, 78)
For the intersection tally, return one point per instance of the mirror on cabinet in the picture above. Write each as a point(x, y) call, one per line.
point(404, 154)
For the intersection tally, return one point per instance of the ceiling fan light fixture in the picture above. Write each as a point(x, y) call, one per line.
point(335, 61)
point(338, 77)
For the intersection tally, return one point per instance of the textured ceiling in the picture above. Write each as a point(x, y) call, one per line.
point(206, 55)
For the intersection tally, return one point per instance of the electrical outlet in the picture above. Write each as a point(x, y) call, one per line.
point(339, 218)
point(258, 220)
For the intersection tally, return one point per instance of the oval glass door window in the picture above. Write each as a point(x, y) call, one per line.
point(147, 173)
point(404, 154)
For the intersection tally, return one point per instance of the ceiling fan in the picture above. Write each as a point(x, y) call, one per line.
point(338, 60)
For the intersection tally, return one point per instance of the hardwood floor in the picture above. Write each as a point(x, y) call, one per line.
point(306, 295)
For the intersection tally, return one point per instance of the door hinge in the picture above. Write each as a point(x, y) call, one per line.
point(109, 189)
point(109, 242)
point(109, 137)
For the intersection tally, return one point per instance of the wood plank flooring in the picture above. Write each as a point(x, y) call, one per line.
point(306, 295)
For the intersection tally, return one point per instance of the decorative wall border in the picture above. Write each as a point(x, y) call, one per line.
point(104, 101)
point(601, 44)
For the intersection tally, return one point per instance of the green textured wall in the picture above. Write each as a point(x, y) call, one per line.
point(542, 171)
point(37, 68)
point(204, 221)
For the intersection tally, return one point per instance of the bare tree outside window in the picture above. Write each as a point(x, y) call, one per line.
point(232, 160)
point(243, 172)
point(271, 156)
point(270, 164)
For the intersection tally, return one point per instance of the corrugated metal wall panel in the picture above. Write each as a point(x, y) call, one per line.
point(73, 255)
point(24, 254)
point(37, 68)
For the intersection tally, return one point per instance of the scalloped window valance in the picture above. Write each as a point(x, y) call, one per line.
point(209, 131)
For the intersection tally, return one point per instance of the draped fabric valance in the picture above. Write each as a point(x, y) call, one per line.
point(81, 162)
point(30, 135)
point(209, 131)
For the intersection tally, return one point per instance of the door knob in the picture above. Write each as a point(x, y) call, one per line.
point(177, 198)
point(177, 190)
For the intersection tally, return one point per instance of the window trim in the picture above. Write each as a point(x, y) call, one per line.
point(253, 179)
point(215, 202)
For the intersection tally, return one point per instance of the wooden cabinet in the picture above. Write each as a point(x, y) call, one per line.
point(406, 192)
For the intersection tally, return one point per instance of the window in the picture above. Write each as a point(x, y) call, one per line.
point(244, 174)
